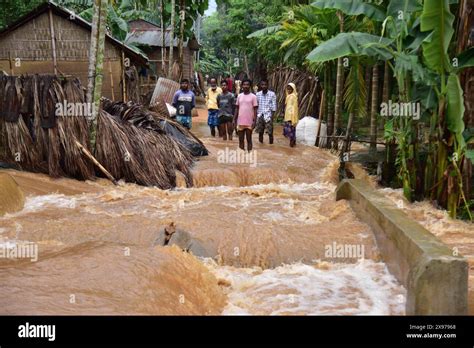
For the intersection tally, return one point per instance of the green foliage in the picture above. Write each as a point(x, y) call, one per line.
point(466, 59)
point(224, 34)
point(11, 10)
point(265, 31)
point(455, 111)
point(406, 63)
point(355, 94)
point(352, 44)
point(211, 65)
point(353, 8)
point(309, 28)
point(119, 12)
point(438, 19)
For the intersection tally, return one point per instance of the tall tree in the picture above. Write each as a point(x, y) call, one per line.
point(374, 109)
point(170, 67)
point(100, 12)
point(182, 18)
point(163, 36)
point(339, 85)
point(93, 51)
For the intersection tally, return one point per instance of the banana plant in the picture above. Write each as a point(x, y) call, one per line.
point(307, 28)
point(448, 118)
point(390, 46)
point(408, 26)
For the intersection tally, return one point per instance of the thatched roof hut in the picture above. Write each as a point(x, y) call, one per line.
point(149, 38)
point(53, 40)
point(133, 143)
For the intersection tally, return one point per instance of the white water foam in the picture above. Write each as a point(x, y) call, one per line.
point(38, 203)
point(364, 288)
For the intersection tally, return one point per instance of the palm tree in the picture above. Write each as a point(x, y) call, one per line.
point(355, 97)
point(374, 109)
point(372, 14)
point(339, 86)
point(309, 28)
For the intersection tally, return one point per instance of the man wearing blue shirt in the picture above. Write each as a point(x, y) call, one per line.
point(184, 101)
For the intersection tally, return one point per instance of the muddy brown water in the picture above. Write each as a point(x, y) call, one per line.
point(269, 225)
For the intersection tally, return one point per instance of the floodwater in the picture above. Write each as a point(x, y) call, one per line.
point(273, 226)
point(456, 234)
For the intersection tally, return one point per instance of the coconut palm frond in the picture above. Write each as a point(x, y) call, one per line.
point(355, 94)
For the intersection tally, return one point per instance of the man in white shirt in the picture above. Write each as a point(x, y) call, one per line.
point(266, 109)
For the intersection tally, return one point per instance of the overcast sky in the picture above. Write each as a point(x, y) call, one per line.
point(212, 7)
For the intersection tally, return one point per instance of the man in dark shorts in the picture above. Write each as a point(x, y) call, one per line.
point(266, 109)
point(226, 103)
point(213, 109)
point(184, 101)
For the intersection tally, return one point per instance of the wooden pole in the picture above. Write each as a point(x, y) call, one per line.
point(182, 17)
point(11, 64)
point(163, 38)
point(96, 162)
point(171, 61)
point(124, 88)
point(53, 42)
point(321, 115)
point(111, 81)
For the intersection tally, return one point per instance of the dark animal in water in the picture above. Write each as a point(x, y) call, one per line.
point(170, 235)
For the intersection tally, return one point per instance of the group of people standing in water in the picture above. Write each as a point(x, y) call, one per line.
point(245, 113)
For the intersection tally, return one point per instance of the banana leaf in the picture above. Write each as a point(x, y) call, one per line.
point(438, 19)
point(349, 44)
point(353, 8)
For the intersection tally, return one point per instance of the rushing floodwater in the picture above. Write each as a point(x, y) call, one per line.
point(269, 227)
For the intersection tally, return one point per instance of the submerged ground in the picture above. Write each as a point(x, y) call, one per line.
point(268, 225)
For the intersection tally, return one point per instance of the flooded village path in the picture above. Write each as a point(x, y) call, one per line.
point(270, 227)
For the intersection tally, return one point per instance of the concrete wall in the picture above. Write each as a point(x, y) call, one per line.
point(436, 281)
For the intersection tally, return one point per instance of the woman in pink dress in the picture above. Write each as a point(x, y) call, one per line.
point(246, 115)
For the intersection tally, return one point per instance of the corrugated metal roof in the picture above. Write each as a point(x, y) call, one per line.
point(151, 35)
point(164, 91)
point(150, 38)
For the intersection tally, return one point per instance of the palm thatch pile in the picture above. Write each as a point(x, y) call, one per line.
point(132, 143)
point(160, 122)
point(35, 138)
point(132, 84)
point(307, 87)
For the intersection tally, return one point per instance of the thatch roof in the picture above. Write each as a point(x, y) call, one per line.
point(131, 142)
point(136, 56)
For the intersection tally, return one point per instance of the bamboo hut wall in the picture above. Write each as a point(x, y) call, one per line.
point(309, 90)
point(31, 43)
point(154, 54)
